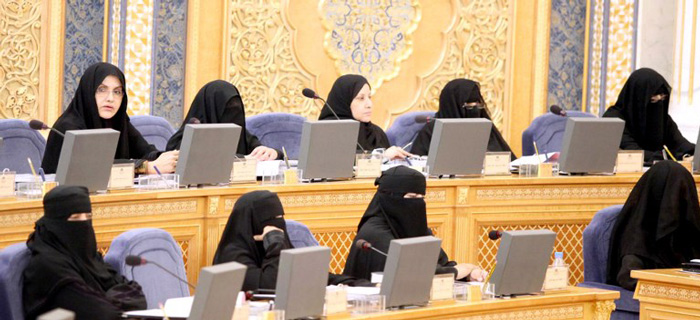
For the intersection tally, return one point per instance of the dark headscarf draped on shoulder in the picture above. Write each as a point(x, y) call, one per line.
point(453, 97)
point(646, 121)
point(65, 252)
point(660, 222)
point(82, 113)
point(217, 102)
point(343, 92)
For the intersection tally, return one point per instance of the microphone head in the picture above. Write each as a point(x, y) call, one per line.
point(422, 118)
point(309, 93)
point(557, 110)
point(37, 125)
point(494, 234)
point(194, 120)
point(363, 244)
point(132, 260)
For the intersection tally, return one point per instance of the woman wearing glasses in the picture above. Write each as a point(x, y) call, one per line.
point(100, 102)
point(643, 104)
point(460, 98)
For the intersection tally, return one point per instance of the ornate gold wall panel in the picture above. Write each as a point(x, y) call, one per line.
point(20, 44)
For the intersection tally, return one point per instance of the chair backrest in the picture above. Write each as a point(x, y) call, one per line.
point(300, 235)
point(13, 261)
point(277, 130)
point(155, 245)
point(156, 130)
point(548, 131)
point(405, 129)
point(596, 243)
point(19, 143)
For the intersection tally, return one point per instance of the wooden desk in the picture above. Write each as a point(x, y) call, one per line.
point(574, 303)
point(667, 294)
point(460, 211)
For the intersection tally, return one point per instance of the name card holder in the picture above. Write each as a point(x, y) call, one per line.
point(556, 278)
point(336, 301)
point(7, 184)
point(121, 177)
point(244, 170)
point(443, 287)
point(629, 161)
point(368, 165)
point(497, 164)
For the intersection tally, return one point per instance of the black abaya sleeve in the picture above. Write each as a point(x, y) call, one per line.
point(86, 304)
point(265, 275)
point(421, 144)
point(139, 147)
point(624, 279)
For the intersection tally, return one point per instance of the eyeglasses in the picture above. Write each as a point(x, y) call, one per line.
point(104, 91)
point(473, 106)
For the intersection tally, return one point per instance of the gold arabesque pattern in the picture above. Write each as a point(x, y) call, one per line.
point(20, 40)
point(555, 313)
point(137, 60)
point(569, 241)
point(669, 292)
point(621, 32)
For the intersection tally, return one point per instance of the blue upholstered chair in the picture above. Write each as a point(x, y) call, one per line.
point(277, 130)
point(596, 242)
point(19, 143)
point(156, 130)
point(548, 131)
point(405, 129)
point(13, 260)
point(300, 235)
point(155, 245)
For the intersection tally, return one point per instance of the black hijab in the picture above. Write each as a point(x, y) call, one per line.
point(217, 102)
point(344, 90)
point(453, 97)
point(82, 113)
point(65, 253)
point(660, 222)
point(251, 213)
point(391, 216)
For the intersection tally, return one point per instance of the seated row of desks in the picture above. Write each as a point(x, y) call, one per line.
point(460, 211)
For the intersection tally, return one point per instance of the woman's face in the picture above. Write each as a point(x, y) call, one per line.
point(109, 97)
point(361, 105)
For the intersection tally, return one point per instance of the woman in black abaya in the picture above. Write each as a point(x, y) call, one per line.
point(350, 98)
point(220, 102)
point(460, 99)
point(255, 235)
point(101, 102)
point(398, 211)
point(643, 104)
point(66, 270)
point(659, 225)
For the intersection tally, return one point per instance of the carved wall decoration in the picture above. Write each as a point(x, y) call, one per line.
point(567, 39)
point(369, 37)
point(669, 292)
point(138, 46)
point(552, 313)
point(260, 59)
point(20, 27)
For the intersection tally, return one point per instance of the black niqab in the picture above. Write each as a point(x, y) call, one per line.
point(660, 221)
point(343, 92)
point(453, 97)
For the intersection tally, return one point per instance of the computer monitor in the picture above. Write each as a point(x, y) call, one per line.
point(327, 149)
point(215, 298)
point(590, 145)
point(207, 153)
point(301, 281)
point(409, 271)
point(522, 260)
point(86, 158)
point(458, 146)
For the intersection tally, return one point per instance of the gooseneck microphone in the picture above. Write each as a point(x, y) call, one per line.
point(364, 245)
point(495, 234)
point(38, 125)
point(423, 119)
point(557, 110)
point(136, 261)
point(312, 95)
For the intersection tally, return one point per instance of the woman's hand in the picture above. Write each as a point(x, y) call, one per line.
point(471, 272)
point(395, 152)
point(263, 153)
point(267, 229)
point(166, 162)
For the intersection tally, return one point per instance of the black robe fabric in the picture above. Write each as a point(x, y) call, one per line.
point(343, 92)
point(391, 216)
point(648, 126)
point(219, 102)
point(452, 98)
point(82, 114)
point(659, 225)
point(66, 270)
point(251, 213)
